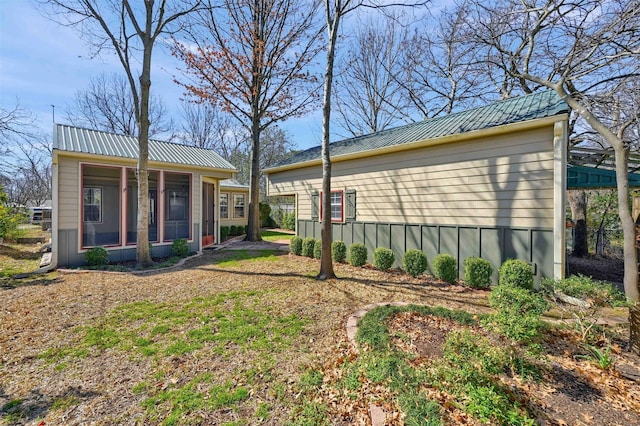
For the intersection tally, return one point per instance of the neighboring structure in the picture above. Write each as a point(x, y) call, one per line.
point(486, 182)
point(95, 195)
point(234, 202)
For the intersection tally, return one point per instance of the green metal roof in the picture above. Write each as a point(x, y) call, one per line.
point(76, 139)
point(514, 110)
point(232, 183)
point(590, 177)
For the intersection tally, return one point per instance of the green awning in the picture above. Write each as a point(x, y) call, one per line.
point(590, 177)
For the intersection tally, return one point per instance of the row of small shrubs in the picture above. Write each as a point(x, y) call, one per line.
point(232, 231)
point(99, 256)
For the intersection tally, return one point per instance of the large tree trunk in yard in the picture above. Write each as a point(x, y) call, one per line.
point(578, 204)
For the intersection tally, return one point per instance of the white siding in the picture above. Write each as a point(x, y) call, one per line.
point(68, 192)
point(504, 180)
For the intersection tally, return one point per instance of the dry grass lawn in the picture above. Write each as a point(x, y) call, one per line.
point(233, 337)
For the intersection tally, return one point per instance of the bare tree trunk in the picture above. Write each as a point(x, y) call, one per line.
point(628, 226)
point(578, 205)
point(253, 228)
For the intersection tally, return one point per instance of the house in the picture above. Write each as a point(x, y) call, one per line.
point(95, 195)
point(487, 182)
point(234, 201)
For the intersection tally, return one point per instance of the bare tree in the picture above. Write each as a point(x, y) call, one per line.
point(368, 95)
point(25, 160)
point(440, 72)
point(584, 50)
point(130, 31)
point(107, 105)
point(253, 63)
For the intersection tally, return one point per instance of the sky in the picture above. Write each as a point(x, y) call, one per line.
point(44, 64)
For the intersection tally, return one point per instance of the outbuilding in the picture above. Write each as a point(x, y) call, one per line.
point(95, 195)
point(488, 182)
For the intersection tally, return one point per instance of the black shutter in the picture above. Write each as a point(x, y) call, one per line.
point(350, 205)
point(315, 200)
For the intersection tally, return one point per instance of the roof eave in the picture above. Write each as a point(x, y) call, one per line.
point(457, 137)
point(134, 161)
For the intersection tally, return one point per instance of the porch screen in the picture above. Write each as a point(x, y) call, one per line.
point(100, 207)
point(177, 206)
point(132, 207)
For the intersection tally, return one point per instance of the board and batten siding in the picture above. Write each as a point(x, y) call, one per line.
point(491, 197)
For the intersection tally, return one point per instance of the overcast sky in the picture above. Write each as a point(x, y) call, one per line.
point(44, 64)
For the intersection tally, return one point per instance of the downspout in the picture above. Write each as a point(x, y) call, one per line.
point(560, 142)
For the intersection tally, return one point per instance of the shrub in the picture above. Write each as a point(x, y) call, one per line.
point(519, 311)
point(224, 233)
point(245, 229)
point(265, 216)
point(180, 248)
point(339, 251)
point(477, 272)
point(295, 245)
point(383, 258)
point(97, 256)
point(357, 254)
point(414, 262)
point(307, 246)
point(583, 299)
point(289, 221)
point(317, 249)
point(445, 268)
point(233, 230)
point(516, 272)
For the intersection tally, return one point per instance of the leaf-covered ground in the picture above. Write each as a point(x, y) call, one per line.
point(232, 337)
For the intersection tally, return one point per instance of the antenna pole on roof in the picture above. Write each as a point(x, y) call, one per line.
point(53, 113)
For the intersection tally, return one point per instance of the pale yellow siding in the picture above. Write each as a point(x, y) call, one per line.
point(68, 193)
point(504, 180)
point(231, 220)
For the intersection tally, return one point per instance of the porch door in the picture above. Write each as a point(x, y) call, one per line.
point(208, 217)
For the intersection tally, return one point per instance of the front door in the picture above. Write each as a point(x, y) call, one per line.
point(208, 217)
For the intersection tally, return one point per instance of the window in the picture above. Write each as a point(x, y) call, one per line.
point(238, 205)
point(337, 209)
point(224, 206)
point(92, 200)
point(336, 206)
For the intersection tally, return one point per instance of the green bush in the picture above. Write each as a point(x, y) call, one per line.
point(245, 229)
point(518, 312)
point(97, 256)
point(317, 249)
point(308, 245)
point(295, 245)
point(414, 262)
point(582, 287)
point(516, 272)
point(265, 216)
point(289, 221)
point(224, 233)
point(445, 268)
point(180, 248)
point(383, 258)
point(10, 219)
point(477, 272)
point(339, 251)
point(233, 230)
point(357, 254)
